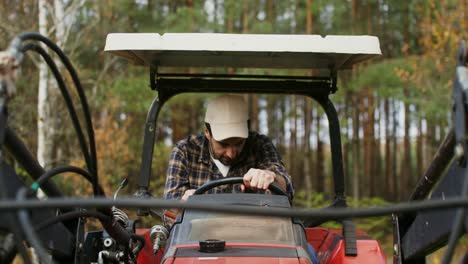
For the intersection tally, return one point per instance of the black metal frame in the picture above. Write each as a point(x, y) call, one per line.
point(169, 85)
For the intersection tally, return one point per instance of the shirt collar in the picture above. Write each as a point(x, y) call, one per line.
point(205, 156)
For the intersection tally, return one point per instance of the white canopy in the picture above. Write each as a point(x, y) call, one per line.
point(242, 50)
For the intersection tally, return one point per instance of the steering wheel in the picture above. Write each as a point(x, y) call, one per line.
point(235, 180)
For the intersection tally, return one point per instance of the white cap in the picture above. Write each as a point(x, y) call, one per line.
point(228, 117)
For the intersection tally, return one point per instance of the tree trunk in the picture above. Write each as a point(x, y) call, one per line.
point(245, 16)
point(320, 174)
point(149, 6)
point(307, 133)
point(309, 17)
point(356, 148)
point(252, 99)
point(50, 120)
point(320, 155)
point(307, 121)
point(406, 163)
point(396, 183)
point(419, 149)
point(43, 150)
point(228, 21)
point(54, 96)
point(430, 149)
point(373, 152)
point(365, 108)
point(282, 105)
point(388, 158)
point(378, 174)
point(253, 111)
point(292, 148)
point(272, 118)
point(270, 11)
point(347, 146)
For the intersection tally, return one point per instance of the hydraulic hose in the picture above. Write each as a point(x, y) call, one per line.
point(79, 89)
point(61, 169)
point(28, 229)
point(70, 216)
point(20, 152)
point(66, 97)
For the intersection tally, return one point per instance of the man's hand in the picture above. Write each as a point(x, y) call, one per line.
point(187, 193)
point(256, 179)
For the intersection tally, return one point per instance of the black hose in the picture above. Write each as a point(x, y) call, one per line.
point(66, 97)
point(26, 159)
point(61, 169)
point(84, 103)
point(142, 241)
point(71, 215)
point(135, 251)
point(116, 231)
point(28, 230)
point(18, 235)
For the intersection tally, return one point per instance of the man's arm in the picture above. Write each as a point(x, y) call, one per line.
point(269, 169)
point(177, 183)
point(177, 176)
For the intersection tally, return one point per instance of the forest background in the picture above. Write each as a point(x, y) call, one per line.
point(394, 111)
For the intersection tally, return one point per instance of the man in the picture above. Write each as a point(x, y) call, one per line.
point(225, 149)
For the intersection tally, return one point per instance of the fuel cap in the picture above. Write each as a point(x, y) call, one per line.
point(212, 245)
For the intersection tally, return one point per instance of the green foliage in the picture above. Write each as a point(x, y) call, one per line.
point(317, 200)
point(186, 20)
point(382, 77)
point(411, 80)
point(133, 92)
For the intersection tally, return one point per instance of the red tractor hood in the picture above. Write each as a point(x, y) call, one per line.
point(232, 260)
point(242, 253)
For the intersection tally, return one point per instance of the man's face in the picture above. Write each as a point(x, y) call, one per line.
point(227, 151)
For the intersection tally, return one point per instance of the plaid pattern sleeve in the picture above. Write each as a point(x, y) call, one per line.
point(177, 181)
point(190, 166)
point(269, 159)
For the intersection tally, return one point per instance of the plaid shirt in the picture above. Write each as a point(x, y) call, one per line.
point(190, 165)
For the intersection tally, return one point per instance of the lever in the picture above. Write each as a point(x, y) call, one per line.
point(122, 185)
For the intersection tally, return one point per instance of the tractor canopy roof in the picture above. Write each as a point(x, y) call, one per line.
point(243, 50)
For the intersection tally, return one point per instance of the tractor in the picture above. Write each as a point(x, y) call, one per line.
point(227, 227)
